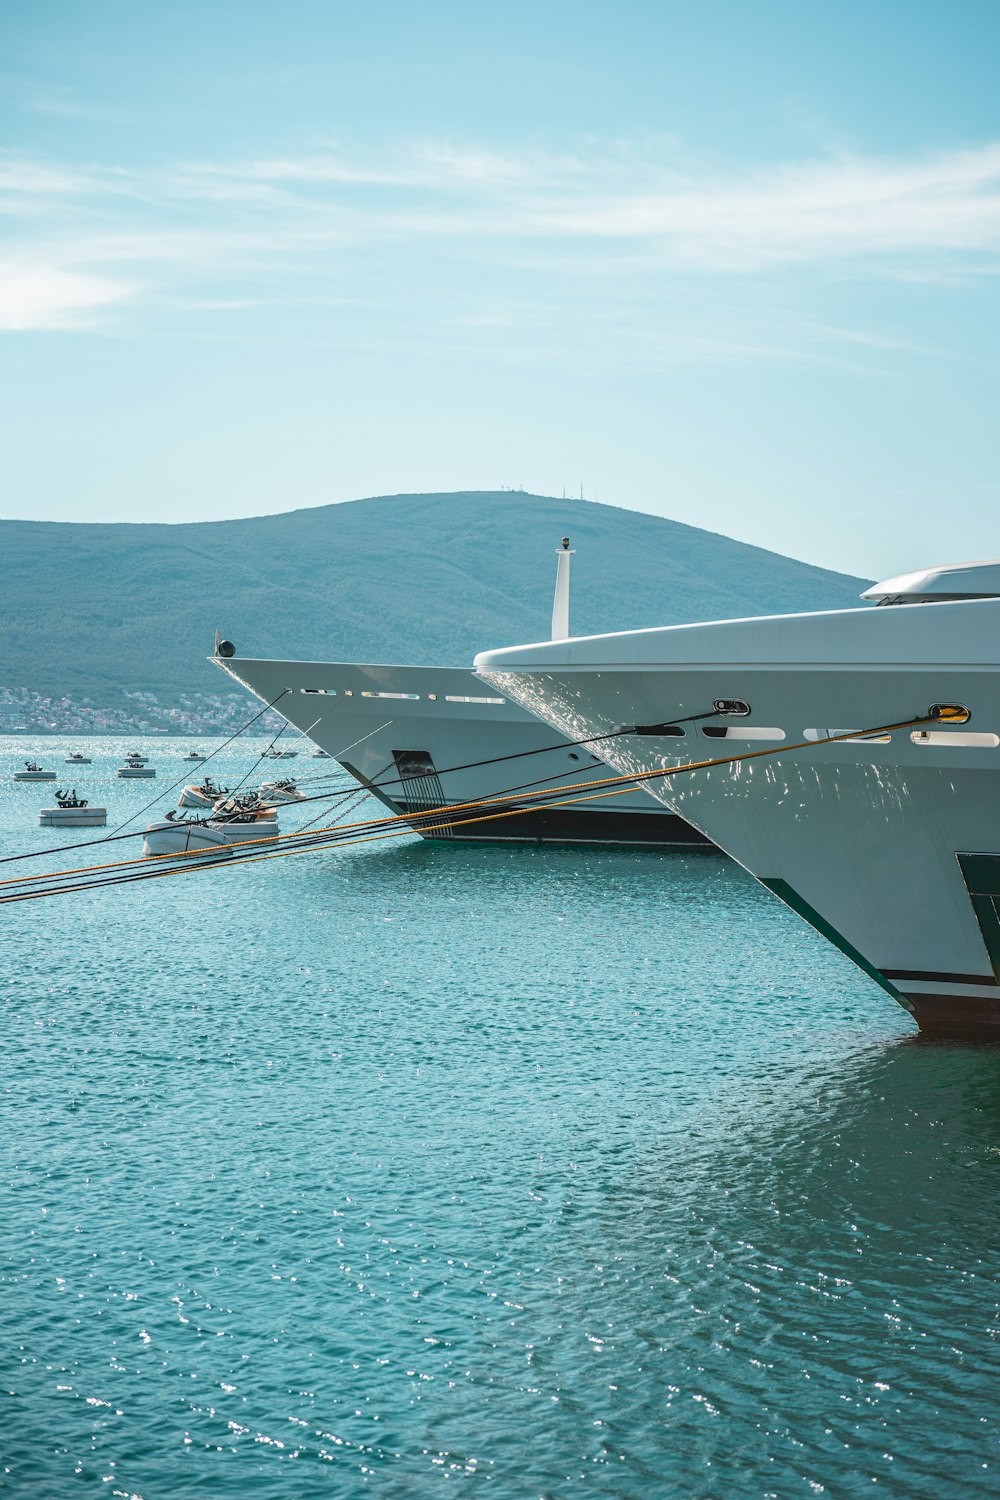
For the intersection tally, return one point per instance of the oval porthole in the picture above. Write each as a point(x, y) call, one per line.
point(731, 706)
point(949, 713)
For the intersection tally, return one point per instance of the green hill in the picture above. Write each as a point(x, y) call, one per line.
point(95, 609)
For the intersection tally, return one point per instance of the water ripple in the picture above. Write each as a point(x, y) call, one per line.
point(533, 1172)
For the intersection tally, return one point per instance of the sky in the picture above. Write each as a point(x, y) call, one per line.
point(731, 263)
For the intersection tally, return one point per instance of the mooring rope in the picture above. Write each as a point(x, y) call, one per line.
point(175, 784)
point(397, 825)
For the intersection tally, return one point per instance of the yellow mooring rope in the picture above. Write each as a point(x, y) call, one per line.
point(399, 824)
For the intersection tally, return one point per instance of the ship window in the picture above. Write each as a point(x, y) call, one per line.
point(432, 697)
point(955, 737)
point(741, 732)
point(449, 698)
point(853, 739)
point(412, 697)
point(326, 692)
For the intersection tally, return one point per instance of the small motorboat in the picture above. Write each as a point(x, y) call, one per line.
point(276, 754)
point(322, 755)
point(135, 770)
point(76, 759)
point(192, 755)
point(281, 791)
point(243, 808)
point(205, 795)
point(34, 772)
point(211, 836)
point(135, 755)
point(72, 811)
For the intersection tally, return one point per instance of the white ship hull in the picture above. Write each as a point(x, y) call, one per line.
point(428, 737)
point(890, 848)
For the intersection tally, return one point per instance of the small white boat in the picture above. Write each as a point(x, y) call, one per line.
point(135, 770)
point(72, 811)
point(192, 755)
point(193, 836)
point(76, 759)
point(205, 794)
point(322, 755)
point(135, 755)
point(34, 772)
point(281, 791)
point(279, 754)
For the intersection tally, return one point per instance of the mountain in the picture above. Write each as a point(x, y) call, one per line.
point(92, 610)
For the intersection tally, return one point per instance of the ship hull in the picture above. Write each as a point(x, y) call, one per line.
point(422, 738)
point(889, 847)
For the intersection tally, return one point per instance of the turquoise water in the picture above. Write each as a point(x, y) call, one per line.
point(414, 1170)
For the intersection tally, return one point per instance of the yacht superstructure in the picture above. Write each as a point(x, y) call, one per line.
point(887, 840)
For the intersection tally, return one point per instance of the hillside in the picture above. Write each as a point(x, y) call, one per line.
point(96, 609)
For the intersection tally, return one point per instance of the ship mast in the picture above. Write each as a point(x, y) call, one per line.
point(560, 602)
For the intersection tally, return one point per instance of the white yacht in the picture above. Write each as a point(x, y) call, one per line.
point(422, 738)
point(854, 765)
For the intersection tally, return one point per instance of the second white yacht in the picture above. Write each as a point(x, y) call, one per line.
point(422, 738)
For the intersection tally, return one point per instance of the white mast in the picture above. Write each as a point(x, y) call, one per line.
point(560, 603)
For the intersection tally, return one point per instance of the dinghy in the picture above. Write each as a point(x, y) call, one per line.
point(281, 791)
point(135, 770)
point(206, 795)
point(72, 811)
point(213, 836)
point(33, 772)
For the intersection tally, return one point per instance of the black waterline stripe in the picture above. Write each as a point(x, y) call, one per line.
point(934, 976)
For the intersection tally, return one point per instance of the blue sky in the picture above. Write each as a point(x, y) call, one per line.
point(731, 263)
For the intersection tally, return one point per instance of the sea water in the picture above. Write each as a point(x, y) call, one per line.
point(419, 1169)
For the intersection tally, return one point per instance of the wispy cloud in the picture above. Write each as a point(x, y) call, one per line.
point(649, 209)
point(38, 297)
point(687, 211)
